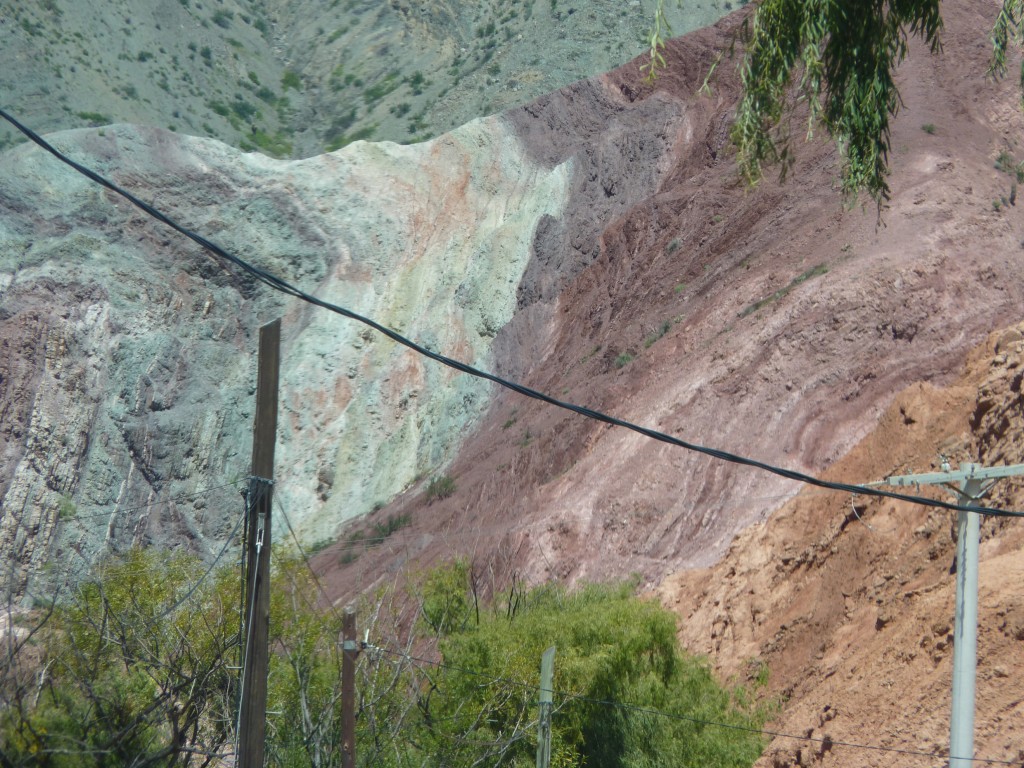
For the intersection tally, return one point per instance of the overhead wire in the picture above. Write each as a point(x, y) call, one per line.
point(209, 569)
point(305, 559)
point(198, 583)
point(279, 284)
point(134, 508)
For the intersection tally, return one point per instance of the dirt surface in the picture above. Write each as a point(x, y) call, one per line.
point(849, 601)
point(776, 324)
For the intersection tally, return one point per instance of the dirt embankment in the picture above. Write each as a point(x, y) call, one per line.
point(849, 600)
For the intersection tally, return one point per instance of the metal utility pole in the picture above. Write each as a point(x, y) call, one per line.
point(975, 481)
point(349, 651)
point(252, 717)
point(547, 672)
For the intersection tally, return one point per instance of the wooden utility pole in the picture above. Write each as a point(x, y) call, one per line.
point(547, 673)
point(349, 651)
point(252, 716)
point(974, 482)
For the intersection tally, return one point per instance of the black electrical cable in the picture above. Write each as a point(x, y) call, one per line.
point(279, 284)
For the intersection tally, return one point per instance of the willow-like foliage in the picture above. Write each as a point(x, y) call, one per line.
point(838, 57)
point(844, 54)
point(1007, 29)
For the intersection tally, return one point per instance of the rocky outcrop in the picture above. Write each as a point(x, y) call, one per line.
point(127, 387)
point(846, 603)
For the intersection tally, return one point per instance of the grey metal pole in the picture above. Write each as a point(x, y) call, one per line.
point(973, 485)
point(965, 629)
point(547, 671)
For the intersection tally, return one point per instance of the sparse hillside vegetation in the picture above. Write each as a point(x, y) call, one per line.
point(299, 78)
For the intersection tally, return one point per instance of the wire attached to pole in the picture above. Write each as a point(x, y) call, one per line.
point(281, 285)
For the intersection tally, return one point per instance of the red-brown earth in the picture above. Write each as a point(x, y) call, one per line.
point(869, 365)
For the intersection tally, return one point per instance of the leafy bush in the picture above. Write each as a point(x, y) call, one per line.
point(617, 659)
point(291, 79)
point(137, 669)
point(95, 118)
point(140, 671)
point(223, 18)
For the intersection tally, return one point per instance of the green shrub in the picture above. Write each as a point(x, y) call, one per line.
point(612, 649)
point(67, 509)
point(223, 18)
point(440, 488)
point(95, 118)
point(291, 79)
point(140, 626)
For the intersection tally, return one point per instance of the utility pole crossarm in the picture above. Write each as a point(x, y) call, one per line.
point(973, 482)
point(968, 472)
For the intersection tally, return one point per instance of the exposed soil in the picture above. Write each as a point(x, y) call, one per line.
point(776, 324)
point(849, 601)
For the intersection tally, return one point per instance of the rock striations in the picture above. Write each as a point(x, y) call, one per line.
point(595, 244)
point(127, 373)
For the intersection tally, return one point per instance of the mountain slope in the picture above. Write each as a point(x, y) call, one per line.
point(849, 601)
point(296, 77)
point(127, 376)
point(771, 323)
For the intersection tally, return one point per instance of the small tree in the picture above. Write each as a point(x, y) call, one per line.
point(133, 670)
point(479, 707)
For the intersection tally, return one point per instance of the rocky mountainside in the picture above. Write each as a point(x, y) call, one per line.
point(772, 323)
point(849, 601)
point(296, 77)
point(596, 244)
point(127, 374)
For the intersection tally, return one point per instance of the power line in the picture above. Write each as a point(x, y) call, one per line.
point(281, 285)
point(195, 587)
point(567, 696)
point(183, 497)
point(192, 591)
point(305, 560)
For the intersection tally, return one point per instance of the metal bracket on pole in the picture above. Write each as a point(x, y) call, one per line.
point(971, 478)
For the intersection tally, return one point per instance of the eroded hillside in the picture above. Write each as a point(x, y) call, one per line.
point(597, 245)
point(848, 601)
point(772, 323)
